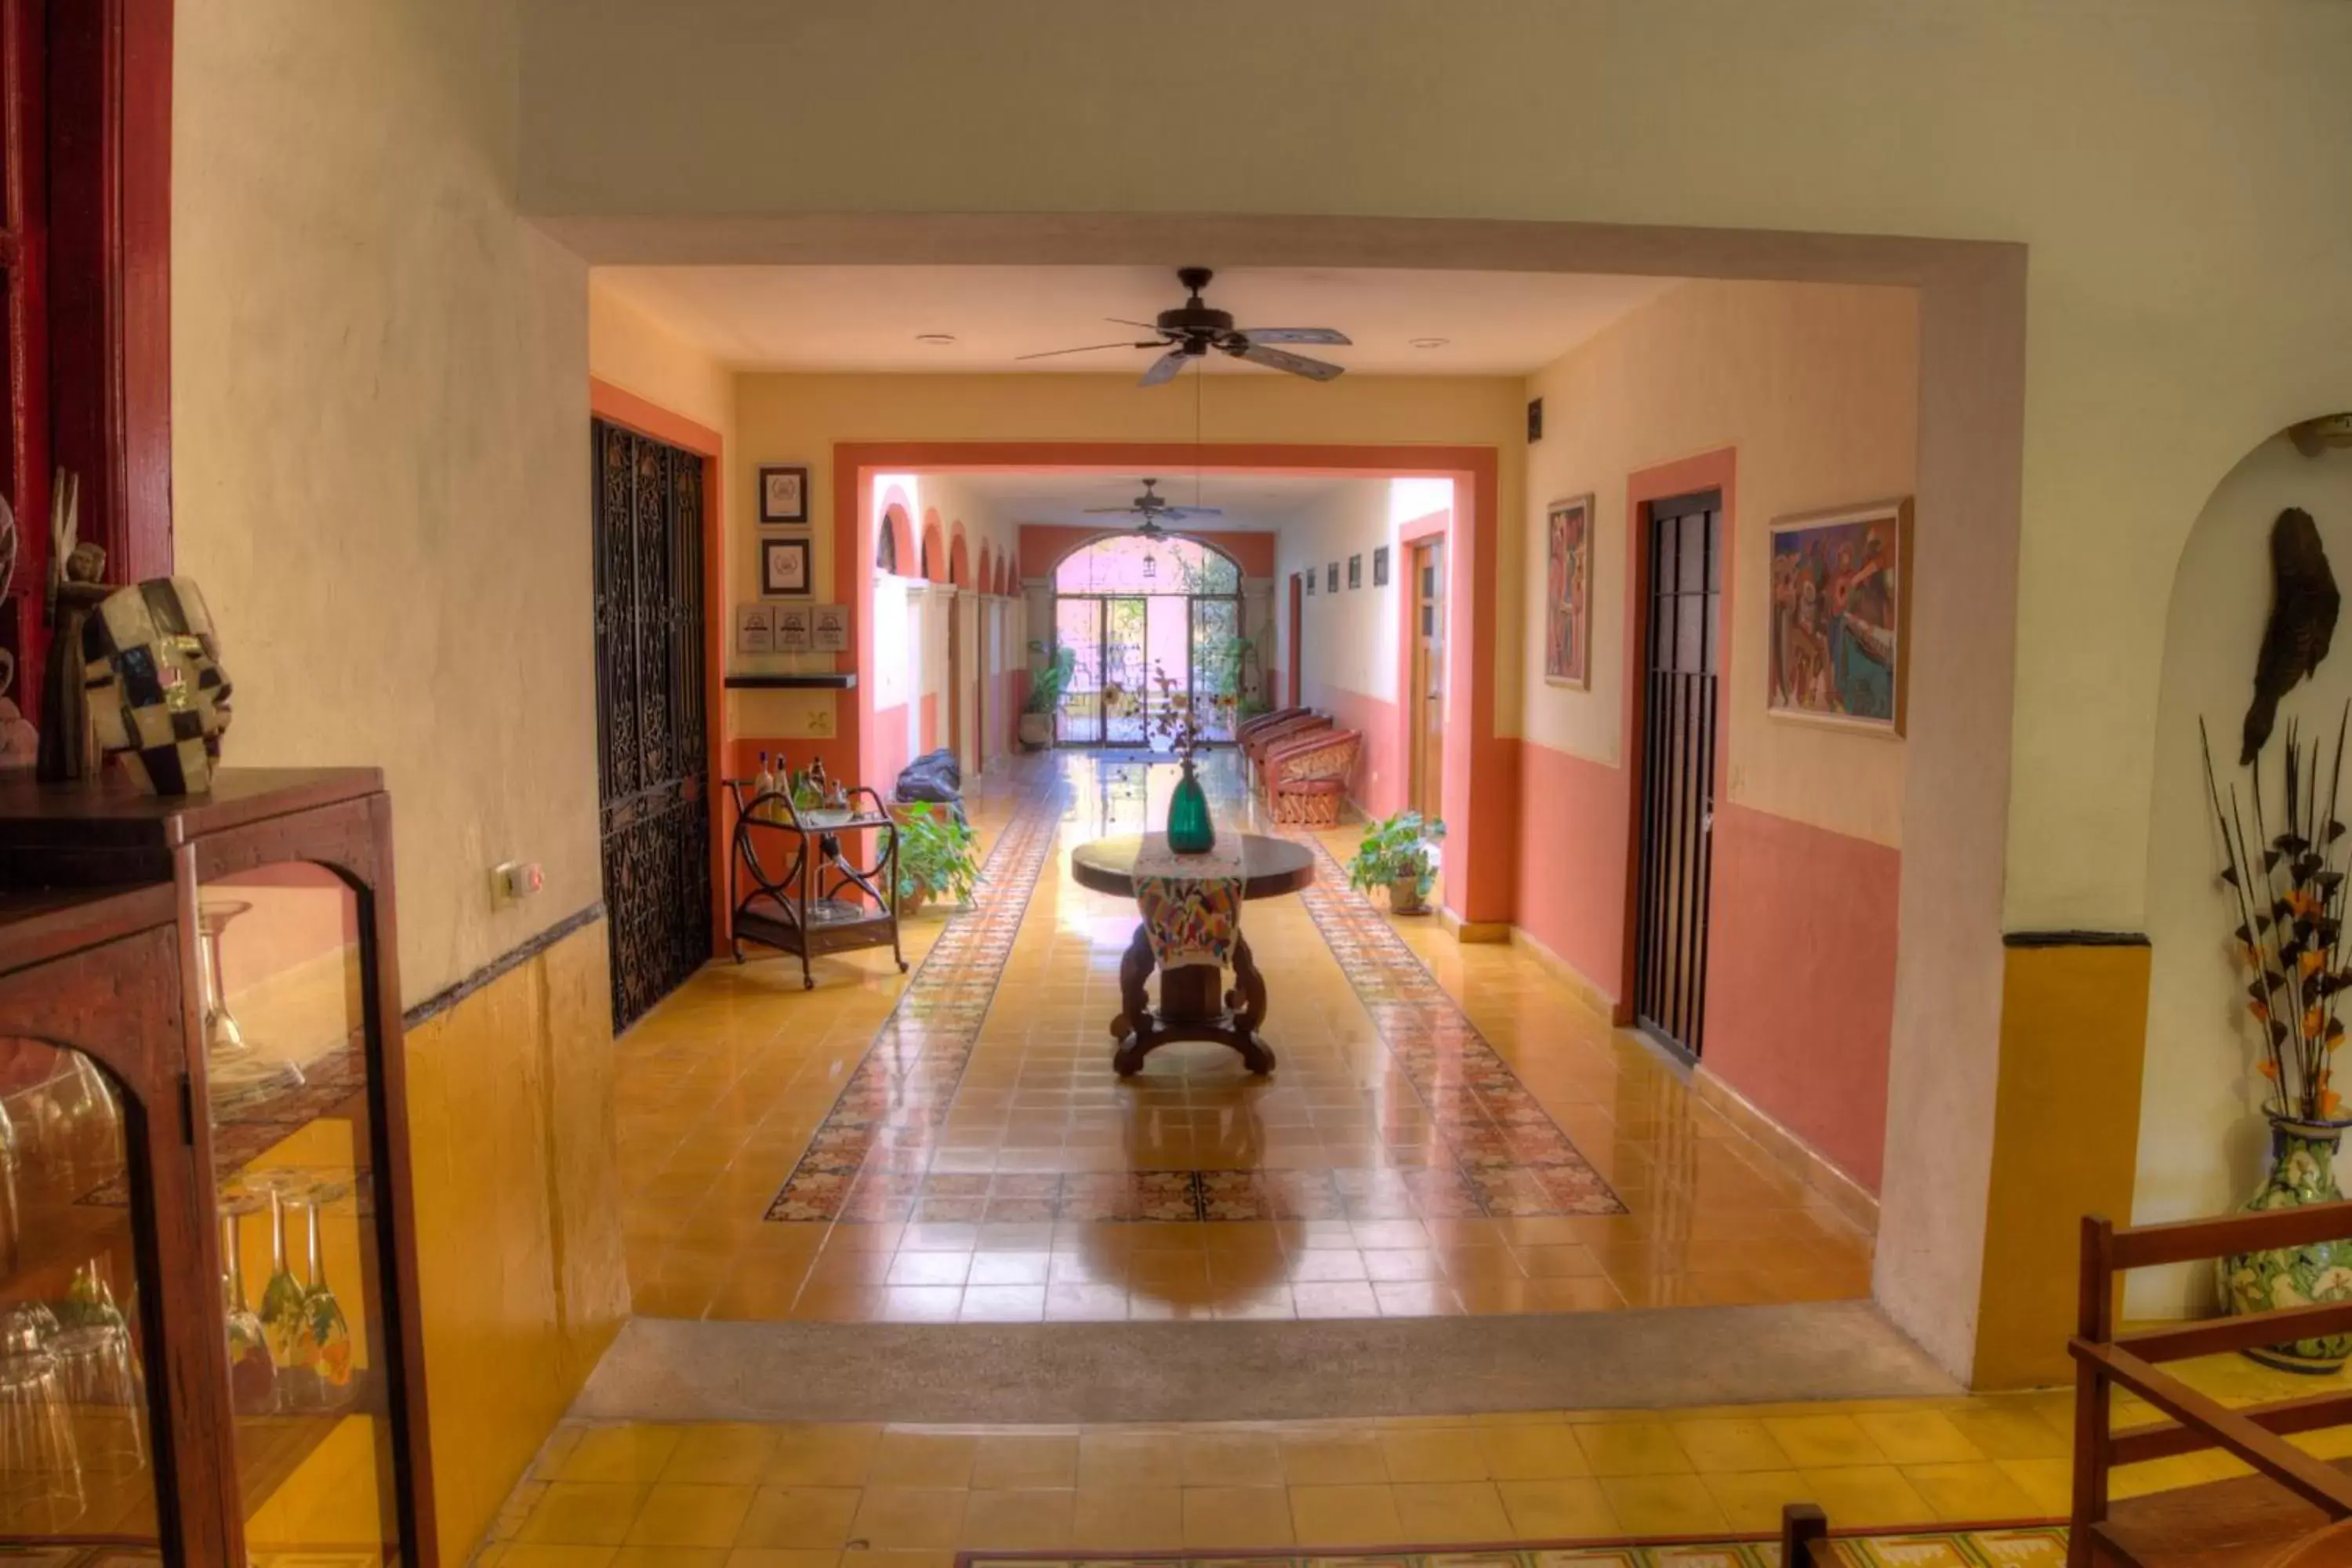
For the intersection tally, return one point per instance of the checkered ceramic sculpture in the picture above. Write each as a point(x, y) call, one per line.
point(158, 696)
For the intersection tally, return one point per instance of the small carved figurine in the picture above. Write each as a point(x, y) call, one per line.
point(2303, 602)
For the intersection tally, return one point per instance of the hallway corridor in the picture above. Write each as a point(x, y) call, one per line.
point(1451, 1129)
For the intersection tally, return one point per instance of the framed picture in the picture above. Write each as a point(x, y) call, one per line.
point(1568, 593)
point(1355, 573)
point(1840, 606)
point(1381, 567)
point(1311, 576)
point(1331, 578)
point(830, 629)
point(783, 492)
point(784, 568)
point(755, 628)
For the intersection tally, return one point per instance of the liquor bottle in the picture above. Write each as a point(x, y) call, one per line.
point(762, 787)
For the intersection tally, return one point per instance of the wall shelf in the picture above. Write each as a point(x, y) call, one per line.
point(842, 681)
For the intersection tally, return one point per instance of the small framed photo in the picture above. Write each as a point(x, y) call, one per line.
point(1381, 567)
point(784, 568)
point(783, 492)
point(830, 632)
point(1311, 577)
point(1355, 573)
point(1331, 578)
point(792, 629)
point(755, 628)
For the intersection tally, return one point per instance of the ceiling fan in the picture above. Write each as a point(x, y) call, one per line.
point(1155, 510)
point(1191, 329)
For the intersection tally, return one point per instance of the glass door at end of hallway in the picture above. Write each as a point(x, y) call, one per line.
point(1105, 703)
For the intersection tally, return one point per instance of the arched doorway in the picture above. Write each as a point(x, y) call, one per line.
point(1130, 606)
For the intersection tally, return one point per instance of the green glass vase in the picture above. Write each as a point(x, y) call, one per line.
point(1190, 831)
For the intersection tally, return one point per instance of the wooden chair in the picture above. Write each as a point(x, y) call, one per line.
point(1256, 747)
point(1251, 728)
point(1307, 780)
point(2285, 1513)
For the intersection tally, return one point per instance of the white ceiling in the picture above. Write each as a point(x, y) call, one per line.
point(1252, 502)
point(867, 317)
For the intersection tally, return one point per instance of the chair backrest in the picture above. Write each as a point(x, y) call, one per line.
point(1318, 755)
point(1272, 735)
point(1251, 728)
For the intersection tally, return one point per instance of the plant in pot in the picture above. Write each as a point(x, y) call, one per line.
point(2287, 888)
point(939, 856)
point(1046, 686)
point(1395, 855)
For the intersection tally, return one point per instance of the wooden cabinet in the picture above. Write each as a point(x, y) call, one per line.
point(208, 1337)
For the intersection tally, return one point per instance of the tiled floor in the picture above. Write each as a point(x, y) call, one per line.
point(1450, 1129)
point(733, 1496)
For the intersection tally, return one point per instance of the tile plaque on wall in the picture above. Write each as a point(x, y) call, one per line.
point(755, 629)
point(792, 634)
point(830, 628)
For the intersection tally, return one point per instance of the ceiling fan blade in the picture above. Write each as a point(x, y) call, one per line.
point(1112, 511)
point(1295, 335)
point(1123, 321)
point(1178, 513)
point(1089, 349)
point(1297, 365)
point(1165, 367)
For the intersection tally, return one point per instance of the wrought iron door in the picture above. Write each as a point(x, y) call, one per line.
point(652, 737)
point(1682, 642)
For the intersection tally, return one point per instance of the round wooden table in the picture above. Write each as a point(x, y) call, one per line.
point(1190, 1006)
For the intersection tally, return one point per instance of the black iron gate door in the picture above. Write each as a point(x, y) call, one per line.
point(1681, 658)
point(652, 739)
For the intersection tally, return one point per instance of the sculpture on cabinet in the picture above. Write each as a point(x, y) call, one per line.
point(158, 696)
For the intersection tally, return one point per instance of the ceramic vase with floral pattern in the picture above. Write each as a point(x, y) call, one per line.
point(2303, 1171)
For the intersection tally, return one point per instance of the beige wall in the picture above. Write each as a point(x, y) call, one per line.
point(379, 420)
point(2203, 1142)
point(638, 354)
point(1817, 385)
point(2186, 253)
point(1352, 635)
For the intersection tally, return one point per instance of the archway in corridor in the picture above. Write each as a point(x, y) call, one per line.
point(1136, 610)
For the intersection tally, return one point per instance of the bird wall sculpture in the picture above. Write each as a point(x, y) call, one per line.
point(2304, 602)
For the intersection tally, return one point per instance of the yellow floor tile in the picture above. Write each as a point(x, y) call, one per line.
point(721, 1453)
point(1974, 1493)
point(1824, 1442)
point(1557, 1511)
point(903, 1517)
point(923, 1460)
point(583, 1513)
point(1662, 1505)
point(1130, 1459)
point(687, 1514)
point(1229, 1518)
point(632, 1452)
point(1128, 1519)
point(669, 1557)
point(1344, 1515)
point(1334, 1459)
point(1531, 1452)
point(1730, 1445)
point(1231, 1459)
point(1636, 1448)
point(1009, 1460)
point(800, 1517)
point(1442, 1454)
point(1918, 1437)
point(1751, 1500)
point(1031, 1519)
point(781, 1557)
point(523, 1554)
point(1451, 1511)
point(1868, 1496)
point(813, 1456)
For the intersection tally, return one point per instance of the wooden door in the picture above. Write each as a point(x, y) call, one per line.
point(1290, 698)
point(651, 724)
point(1426, 700)
point(1681, 638)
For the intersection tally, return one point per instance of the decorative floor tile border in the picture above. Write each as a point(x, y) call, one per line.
point(1985, 1546)
point(869, 1159)
point(1515, 1157)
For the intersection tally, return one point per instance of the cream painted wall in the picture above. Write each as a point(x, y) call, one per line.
point(1352, 635)
point(2185, 254)
point(379, 414)
point(798, 418)
point(638, 354)
point(2203, 1142)
point(1816, 385)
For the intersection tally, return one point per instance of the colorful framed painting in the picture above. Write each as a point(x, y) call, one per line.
point(783, 493)
point(784, 568)
point(1841, 609)
point(1568, 593)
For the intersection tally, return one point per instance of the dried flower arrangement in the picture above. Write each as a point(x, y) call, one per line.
point(2290, 891)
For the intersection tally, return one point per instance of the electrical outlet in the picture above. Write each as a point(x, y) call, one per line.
point(516, 880)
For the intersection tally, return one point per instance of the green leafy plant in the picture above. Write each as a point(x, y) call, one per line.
point(937, 856)
point(1046, 685)
point(1395, 855)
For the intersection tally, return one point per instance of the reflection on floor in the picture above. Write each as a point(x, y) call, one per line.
point(905, 1497)
point(1437, 1140)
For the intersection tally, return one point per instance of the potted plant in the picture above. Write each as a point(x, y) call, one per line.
point(1395, 855)
point(1046, 686)
point(937, 856)
point(2286, 890)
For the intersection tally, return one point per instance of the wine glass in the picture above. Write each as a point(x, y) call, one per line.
point(222, 1036)
point(285, 1320)
point(330, 1330)
point(99, 1375)
point(252, 1374)
point(40, 1465)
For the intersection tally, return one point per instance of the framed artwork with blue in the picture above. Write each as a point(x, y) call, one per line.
point(1840, 617)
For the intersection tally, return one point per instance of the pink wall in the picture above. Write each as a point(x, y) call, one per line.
point(1378, 785)
point(1801, 980)
point(1573, 828)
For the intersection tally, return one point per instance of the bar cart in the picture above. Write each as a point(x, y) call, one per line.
point(821, 900)
point(210, 1349)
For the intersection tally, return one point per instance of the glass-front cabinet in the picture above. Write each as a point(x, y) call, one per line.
point(208, 1344)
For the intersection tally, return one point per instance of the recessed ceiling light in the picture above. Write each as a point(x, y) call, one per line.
point(936, 340)
point(1429, 342)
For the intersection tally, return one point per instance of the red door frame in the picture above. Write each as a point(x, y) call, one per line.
point(610, 403)
point(1481, 766)
point(1719, 471)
